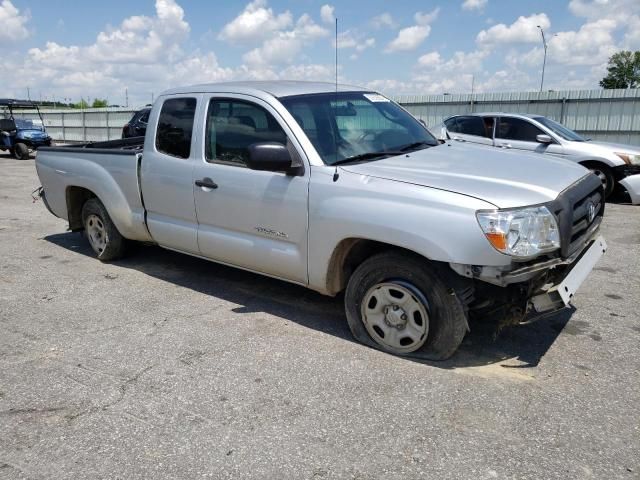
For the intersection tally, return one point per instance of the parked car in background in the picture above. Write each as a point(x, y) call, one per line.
point(613, 163)
point(340, 189)
point(21, 135)
point(137, 126)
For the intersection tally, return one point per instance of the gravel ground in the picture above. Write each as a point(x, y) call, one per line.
point(166, 366)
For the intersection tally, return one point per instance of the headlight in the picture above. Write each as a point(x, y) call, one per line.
point(630, 158)
point(521, 233)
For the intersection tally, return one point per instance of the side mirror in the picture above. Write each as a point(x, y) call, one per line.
point(544, 139)
point(269, 156)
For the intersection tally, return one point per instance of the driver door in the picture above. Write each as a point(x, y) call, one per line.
point(251, 219)
point(520, 134)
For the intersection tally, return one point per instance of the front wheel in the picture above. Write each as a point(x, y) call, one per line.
point(103, 236)
point(397, 303)
point(21, 151)
point(605, 175)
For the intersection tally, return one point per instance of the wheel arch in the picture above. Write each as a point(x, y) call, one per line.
point(76, 198)
point(351, 252)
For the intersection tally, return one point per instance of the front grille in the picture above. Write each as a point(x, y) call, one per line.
point(579, 210)
point(625, 170)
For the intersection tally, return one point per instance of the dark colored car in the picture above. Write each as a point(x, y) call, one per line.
point(137, 126)
point(20, 135)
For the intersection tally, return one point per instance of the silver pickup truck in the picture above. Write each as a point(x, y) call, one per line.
point(340, 190)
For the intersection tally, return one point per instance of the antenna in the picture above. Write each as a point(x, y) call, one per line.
point(336, 175)
point(336, 55)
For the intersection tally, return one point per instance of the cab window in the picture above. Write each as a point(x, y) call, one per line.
point(175, 127)
point(233, 125)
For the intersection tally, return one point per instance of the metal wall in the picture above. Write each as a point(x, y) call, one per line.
point(95, 124)
point(607, 115)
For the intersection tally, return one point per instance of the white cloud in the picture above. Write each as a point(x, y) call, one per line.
point(624, 13)
point(384, 20)
point(138, 40)
point(474, 4)
point(595, 9)
point(426, 18)
point(327, 13)
point(632, 37)
point(592, 44)
point(256, 22)
point(523, 30)
point(284, 46)
point(355, 40)
point(13, 24)
point(430, 59)
point(460, 62)
point(410, 38)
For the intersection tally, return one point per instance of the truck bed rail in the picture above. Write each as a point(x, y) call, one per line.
point(123, 146)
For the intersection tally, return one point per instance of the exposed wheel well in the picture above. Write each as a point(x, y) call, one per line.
point(595, 163)
point(350, 253)
point(76, 198)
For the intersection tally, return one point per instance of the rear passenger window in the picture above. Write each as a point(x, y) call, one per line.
point(233, 125)
point(175, 127)
point(473, 126)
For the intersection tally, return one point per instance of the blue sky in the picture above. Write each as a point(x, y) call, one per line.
point(67, 49)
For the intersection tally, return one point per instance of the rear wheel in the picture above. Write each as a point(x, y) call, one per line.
point(21, 151)
point(103, 236)
point(605, 175)
point(397, 303)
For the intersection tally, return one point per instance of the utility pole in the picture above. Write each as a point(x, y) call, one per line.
point(126, 97)
point(544, 62)
point(473, 83)
point(28, 94)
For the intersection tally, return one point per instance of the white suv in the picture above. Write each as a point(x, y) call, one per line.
point(613, 163)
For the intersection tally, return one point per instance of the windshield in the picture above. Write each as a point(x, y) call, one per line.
point(23, 124)
point(343, 125)
point(559, 129)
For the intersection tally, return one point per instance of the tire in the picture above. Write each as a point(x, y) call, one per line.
point(435, 337)
point(605, 174)
point(102, 234)
point(21, 151)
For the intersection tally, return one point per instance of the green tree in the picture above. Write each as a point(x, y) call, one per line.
point(623, 70)
point(81, 104)
point(100, 103)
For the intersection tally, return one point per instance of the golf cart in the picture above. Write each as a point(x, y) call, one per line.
point(19, 135)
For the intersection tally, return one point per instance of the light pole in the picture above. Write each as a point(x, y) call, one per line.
point(544, 62)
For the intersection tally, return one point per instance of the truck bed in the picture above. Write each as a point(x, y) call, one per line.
point(109, 170)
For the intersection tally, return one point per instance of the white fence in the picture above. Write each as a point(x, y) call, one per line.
point(90, 125)
point(609, 115)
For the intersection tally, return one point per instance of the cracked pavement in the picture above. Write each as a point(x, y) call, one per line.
point(166, 366)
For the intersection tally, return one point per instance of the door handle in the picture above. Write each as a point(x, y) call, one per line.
point(206, 183)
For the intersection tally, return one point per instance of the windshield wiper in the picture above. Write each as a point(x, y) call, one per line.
point(368, 156)
point(413, 145)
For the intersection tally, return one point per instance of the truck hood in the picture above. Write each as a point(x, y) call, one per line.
point(504, 178)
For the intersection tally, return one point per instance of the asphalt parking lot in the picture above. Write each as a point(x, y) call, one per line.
point(165, 366)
